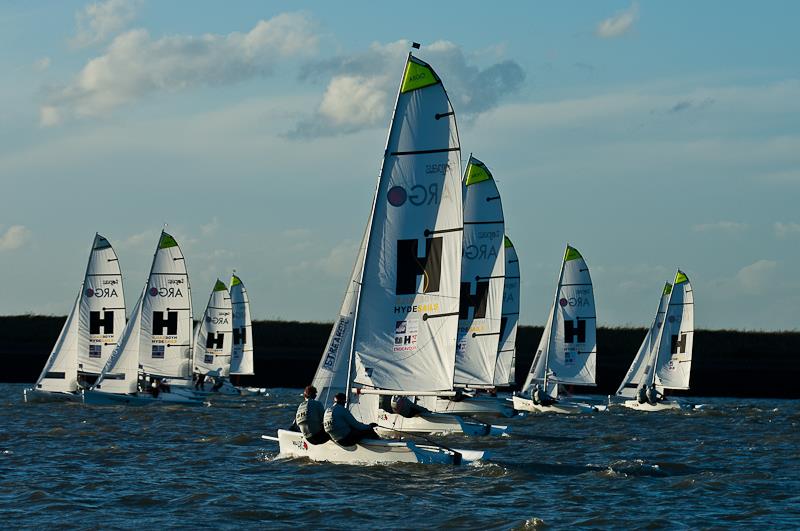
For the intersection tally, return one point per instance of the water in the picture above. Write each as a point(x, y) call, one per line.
point(733, 463)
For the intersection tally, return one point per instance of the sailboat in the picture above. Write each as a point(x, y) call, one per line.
point(504, 374)
point(152, 360)
point(665, 356)
point(481, 298)
point(567, 351)
point(242, 358)
point(213, 345)
point(90, 332)
point(400, 321)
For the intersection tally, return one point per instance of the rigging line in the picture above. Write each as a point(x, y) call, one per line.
point(424, 151)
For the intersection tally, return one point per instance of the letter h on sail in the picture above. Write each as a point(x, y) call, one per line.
point(571, 330)
point(170, 323)
point(678, 344)
point(215, 340)
point(107, 322)
point(240, 336)
point(477, 301)
point(410, 266)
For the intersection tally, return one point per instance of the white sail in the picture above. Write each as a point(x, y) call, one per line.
point(674, 358)
point(482, 273)
point(213, 340)
point(407, 318)
point(331, 376)
point(507, 347)
point(640, 370)
point(102, 308)
point(567, 351)
point(121, 373)
point(242, 357)
point(60, 373)
point(167, 314)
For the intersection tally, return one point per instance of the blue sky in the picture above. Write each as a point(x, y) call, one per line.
point(650, 135)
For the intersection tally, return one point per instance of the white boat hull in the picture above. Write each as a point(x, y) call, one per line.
point(293, 444)
point(227, 390)
point(663, 405)
point(393, 425)
point(253, 391)
point(37, 395)
point(561, 407)
point(100, 398)
point(479, 405)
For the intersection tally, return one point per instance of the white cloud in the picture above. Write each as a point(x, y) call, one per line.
point(99, 21)
point(14, 237)
point(785, 230)
point(361, 87)
point(136, 64)
point(619, 24)
point(49, 116)
point(755, 277)
point(42, 64)
point(721, 226)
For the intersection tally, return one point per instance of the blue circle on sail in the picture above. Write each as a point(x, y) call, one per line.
point(397, 196)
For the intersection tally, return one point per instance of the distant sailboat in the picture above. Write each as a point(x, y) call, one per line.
point(156, 345)
point(665, 356)
point(402, 317)
point(242, 359)
point(568, 348)
point(213, 344)
point(504, 374)
point(90, 332)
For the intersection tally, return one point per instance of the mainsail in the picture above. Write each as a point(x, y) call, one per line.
point(506, 353)
point(641, 369)
point(407, 308)
point(482, 273)
point(102, 309)
point(242, 358)
point(213, 340)
point(60, 373)
point(673, 361)
point(568, 348)
point(158, 336)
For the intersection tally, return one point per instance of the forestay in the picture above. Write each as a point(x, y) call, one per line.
point(506, 354)
point(405, 330)
point(242, 356)
point(482, 273)
point(675, 342)
point(641, 369)
point(213, 343)
point(102, 308)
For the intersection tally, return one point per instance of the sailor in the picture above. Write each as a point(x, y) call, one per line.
point(200, 382)
point(653, 394)
point(641, 394)
point(155, 387)
point(540, 398)
point(404, 407)
point(342, 426)
point(309, 417)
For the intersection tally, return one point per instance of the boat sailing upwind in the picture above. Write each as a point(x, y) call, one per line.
point(242, 357)
point(156, 345)
point(405, 313)
point(481, 297)
point(213, 344)
point(665, 356)
point(506, 354)
point(90, 332)
point(567, 351)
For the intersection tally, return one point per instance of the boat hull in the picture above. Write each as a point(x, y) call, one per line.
point(479, 405)
point(99, 398)
point(664, 405)
point(38, 395)
point(390, 424)
point(293, 444)
point(563, 408)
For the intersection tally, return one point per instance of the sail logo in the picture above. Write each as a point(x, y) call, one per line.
point(240, 336)
point(574, 330)
point(489, 234)
point(481, 252)
point(419, 195)
point(477, 302)
point(439, 168)
point(110, 282)
point(405, 335)
point(215, 341)
point(96, 323)
point(410, 266)
point(336, 343)
point(581, 299)
point(162, 323)
point(677, 344)
point(166, 292)
point(101, 293)
point(217, 320)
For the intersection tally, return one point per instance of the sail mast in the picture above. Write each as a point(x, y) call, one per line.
point(553, 319)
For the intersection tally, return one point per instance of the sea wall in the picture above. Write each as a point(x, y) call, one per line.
point(726, 362)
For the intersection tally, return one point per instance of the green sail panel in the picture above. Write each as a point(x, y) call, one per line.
point(235, 281)
point(477, 173)
point(571, 254)
point(507, 243)
point(219, 286)
point(667, 288)
point(167, 241)
point(418, 75)
point(681, 277)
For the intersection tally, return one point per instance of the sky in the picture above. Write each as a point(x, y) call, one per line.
point(649, 135)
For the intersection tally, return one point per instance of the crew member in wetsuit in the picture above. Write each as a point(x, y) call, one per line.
point(653, 395)
point(343, 427)
point(403, 406)
point(309, 417)
point(540, 398)
point(641, 394)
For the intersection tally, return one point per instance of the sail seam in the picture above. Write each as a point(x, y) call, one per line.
point(424, 151)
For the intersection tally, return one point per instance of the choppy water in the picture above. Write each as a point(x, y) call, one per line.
point(733, 463)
